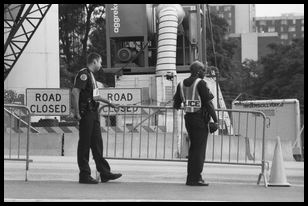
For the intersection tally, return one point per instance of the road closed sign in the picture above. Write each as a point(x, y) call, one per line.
point(122, 96)
point(47, 101)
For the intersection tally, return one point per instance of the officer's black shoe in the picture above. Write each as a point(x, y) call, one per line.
point(197, 183)
point(110, 176)
point(88, 180)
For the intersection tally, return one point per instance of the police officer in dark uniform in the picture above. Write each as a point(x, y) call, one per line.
point(85, 95)
point(196, 96)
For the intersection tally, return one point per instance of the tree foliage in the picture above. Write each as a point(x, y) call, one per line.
point(76, 22)
point(283, 74)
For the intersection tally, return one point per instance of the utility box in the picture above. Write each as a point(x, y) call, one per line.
point(282, 119)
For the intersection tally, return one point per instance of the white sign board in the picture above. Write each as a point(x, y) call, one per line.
point(122, 96)
point(282, 116)
point(47, 101)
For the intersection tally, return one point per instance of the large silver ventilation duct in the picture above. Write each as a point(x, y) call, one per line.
point(169, 16)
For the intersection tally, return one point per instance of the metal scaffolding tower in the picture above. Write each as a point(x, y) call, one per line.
point(20, 23)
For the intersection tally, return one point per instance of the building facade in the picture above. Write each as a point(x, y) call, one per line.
point(240, 17)
point(288, 26)
point(256, 33)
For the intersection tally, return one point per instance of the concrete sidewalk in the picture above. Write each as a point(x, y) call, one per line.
point(53, 178)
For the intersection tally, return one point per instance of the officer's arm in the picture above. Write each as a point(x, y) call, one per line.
point(210, 108)
point(101, 99)
point(75, 101)
point(177, 98)
point(206, 98)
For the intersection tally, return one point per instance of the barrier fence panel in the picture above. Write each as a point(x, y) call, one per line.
point(16, 134)
point(158, 133)
point(143, 133)
point(139, 132)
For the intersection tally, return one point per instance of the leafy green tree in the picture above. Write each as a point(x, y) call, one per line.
point(76, 21)
point(9, 96)
point(283, 75)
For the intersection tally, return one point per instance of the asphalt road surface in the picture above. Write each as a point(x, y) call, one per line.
point(54, 178)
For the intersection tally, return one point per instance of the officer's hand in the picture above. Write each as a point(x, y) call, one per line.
point(77, 116)
point(213, 126)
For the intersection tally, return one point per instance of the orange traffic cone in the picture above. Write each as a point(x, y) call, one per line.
point(278, 176)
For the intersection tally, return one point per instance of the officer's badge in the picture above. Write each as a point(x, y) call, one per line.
point(83, 77)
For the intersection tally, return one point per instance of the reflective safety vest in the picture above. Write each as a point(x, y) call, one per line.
point(190, 96)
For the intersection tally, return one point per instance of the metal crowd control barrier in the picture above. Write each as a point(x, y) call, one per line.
point(16, 119)
point(158, 133)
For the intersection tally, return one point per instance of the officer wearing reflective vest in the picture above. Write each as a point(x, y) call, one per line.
point(197, 99)
point(85, 97)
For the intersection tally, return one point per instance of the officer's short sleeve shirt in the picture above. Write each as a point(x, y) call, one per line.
point(83, 82)
point(205, 93)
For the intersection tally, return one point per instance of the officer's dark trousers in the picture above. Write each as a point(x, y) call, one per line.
point(198, 132)
point(90, 137)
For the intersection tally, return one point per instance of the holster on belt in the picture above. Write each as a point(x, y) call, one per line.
point(92, 105)
point(89, 106)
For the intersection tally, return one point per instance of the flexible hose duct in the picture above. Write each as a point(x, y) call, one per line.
point(170, 16)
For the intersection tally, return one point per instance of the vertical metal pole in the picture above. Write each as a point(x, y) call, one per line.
point(62, 145)
point(28, 139)
point(263, 153)
point(166, 112)
point(156, 136)
point(198, 33)
point(148, 133)
point(184, 50)
point(10, 150)
point(221, 137)
point(247, 125)
point(182, 126)
point(217, 87)
point(19, 131)
point(115, 136)
point(108, 120)
point(132, 135)
point(175, 121)
point(204, 34)
point(238, 133)
point(140, 130)
point(255, 139)
point(123, 149)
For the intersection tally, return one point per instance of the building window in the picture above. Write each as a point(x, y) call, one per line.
point(284, 36)
point(284, 22)
point(291, 28)
point(302, 21)
point(271, 29)
point(261, 30)
point(262, 23)
point(221, 15)
point(302, 28)
point(229, 15)
point(281, 28)
point(294, 21)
